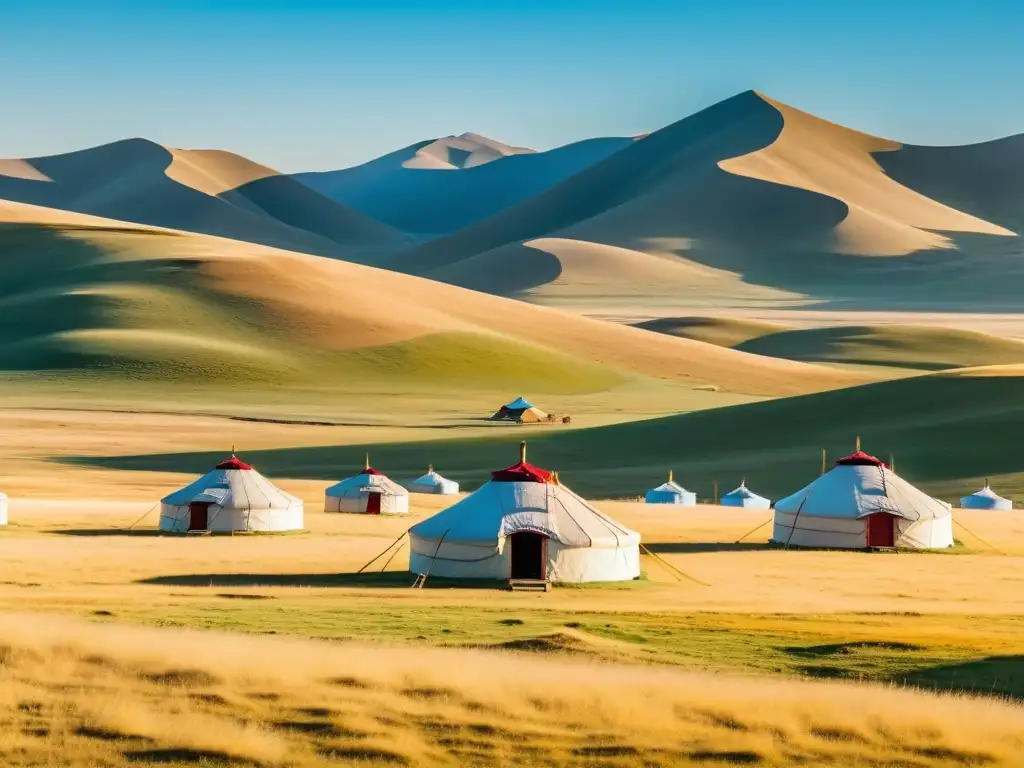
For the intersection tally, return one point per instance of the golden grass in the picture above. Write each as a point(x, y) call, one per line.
point(90, 695)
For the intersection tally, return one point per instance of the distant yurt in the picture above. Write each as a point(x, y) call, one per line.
point(671, 493)
point(432, 482)
point(861, 503)
point(3, 509)
point(744, 497)
point(986, 498)
point(520, 411)
point(524, 524)
point(231, 497)
point(371, 492)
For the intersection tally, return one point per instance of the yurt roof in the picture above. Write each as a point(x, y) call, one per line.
point(368, 479)
point(859, 458)
point(523, 498)
point(520, 403)
point(233, 463)
point(987, 493)
point(232, 483)
point(431, 478)
point(859, 489)
point(522, 472)
point(670, 487)
point(743, 492)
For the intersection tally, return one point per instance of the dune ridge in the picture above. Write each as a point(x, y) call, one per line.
point(203, 191)
point(768, 195)
point(417, 193)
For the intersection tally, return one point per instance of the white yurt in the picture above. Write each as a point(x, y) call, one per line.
point(671, 493)
point(432, 482)
point(744, 497)
point(232, 497)
point(3, 509)
point(986, 498)
point(861, 503)
point(524, 524)
point(371, 492)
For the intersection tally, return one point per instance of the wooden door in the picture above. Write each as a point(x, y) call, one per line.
point(527, 555)
point(198, 515)
point(373, 504)
point(881, 530)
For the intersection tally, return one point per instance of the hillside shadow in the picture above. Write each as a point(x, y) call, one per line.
point(992, 676)
point(376, 580)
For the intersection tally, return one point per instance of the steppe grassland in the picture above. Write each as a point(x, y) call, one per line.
point(88, 695)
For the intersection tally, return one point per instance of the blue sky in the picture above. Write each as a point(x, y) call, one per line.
point(307, 85)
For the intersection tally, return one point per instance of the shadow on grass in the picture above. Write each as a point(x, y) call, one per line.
point(376, 580)
point(992, 676)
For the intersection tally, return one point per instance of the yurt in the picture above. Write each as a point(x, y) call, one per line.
point(371, 492)
point(986, 498)
point(231, 497)
point(671, 493)
point(744, 497)
point(524, 524)
point(520, 411)
point(3, 509)
point(861, 503)
point(433, 483)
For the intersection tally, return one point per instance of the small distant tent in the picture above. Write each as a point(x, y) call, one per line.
point(3, 509)
point(520, 411)
point(371, 492)
point(862, 503)
point(231, 497)
point(671, 493)
point(744, 497)
point(433, 483)
point(986, 498)
point(524, 524)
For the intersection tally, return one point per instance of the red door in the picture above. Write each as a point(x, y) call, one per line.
point(881, 530)
point(373, 504)
point(198, 515)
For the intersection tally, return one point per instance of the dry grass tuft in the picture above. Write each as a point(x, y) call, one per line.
point(83, 694)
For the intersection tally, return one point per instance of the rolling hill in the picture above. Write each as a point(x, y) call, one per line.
point(723, 331)
point(771, 204)
point(902, 346)
point(905, 346)
point(946, 431)
point(204, 191)
point(139, 303)
point(436, 187)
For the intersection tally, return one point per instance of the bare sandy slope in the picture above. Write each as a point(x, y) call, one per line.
point(765, 193)
point(587, 275)
point(884, 218)
point(204, 191)
point(271, 310)
point(465, 151)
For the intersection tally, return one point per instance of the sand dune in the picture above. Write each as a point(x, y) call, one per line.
point(413, 189)
point(774, 196)
point(587, 274)
point(203, 191)
point(106, 292)
point(884, 218)
point(465, 151)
